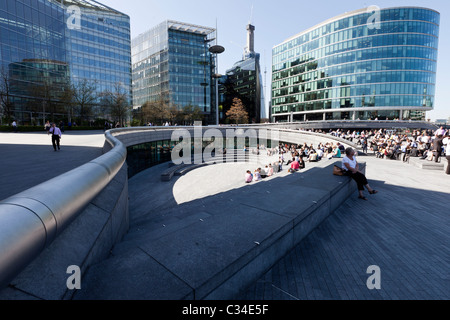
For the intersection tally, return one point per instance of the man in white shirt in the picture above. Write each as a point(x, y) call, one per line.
point(440, 132)
point(56, 136)
point(319, 154)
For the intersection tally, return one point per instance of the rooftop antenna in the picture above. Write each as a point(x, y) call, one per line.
point(251, 15)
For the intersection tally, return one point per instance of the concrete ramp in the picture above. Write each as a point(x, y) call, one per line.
point(214, 247)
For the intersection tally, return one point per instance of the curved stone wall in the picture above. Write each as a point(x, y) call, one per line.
point(43, 231)
point(73, 219)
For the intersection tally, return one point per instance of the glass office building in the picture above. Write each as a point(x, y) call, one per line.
point(171, 62)
point(367, 64)
point(45, 45)
point(244, 81)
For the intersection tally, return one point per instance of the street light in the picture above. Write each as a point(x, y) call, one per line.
point(216, 49)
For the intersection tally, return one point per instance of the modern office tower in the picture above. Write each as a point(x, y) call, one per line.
point(244, 81)
point(171, 62)
point(46, 45)
point(367, 64)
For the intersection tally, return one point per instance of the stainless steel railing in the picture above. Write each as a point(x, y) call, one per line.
point(32, 219)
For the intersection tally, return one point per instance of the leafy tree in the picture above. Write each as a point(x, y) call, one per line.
point(237, 112)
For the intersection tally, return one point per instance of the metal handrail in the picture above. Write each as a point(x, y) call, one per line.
point(32, 219)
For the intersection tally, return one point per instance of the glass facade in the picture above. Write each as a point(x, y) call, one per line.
point(244, 82)
point(100, 50)
point(349, 68)
point(146, 155)
point(48, 44)
point(172, 62)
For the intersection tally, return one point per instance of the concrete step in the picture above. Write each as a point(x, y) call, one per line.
point(231, 240)
point(426, 164)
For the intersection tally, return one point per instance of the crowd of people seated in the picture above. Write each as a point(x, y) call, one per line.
point(388, 144)
point(384, 143)
point(424, 144)
point(294, 156)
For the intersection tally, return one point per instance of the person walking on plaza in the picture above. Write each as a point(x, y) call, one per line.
point(364, 144)
point(351, 168)
point(14, 125)
point(437, 147)
point(56, 136)
point(446, 142)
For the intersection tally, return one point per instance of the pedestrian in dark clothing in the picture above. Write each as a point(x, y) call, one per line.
point(56, 136)
point(364, 144)
point(437, 147)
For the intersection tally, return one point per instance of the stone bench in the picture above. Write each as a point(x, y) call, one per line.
point(170, 172)
point(185, 169)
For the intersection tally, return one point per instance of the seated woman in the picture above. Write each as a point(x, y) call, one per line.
point(257, 174)
point(337, 152)
point(248, 177)
point(312, 156)
point(301, 163)
point(351, 168)
point(420, 149)
point(269, 170)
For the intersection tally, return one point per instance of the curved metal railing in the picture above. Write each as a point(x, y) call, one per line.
point(32, 219)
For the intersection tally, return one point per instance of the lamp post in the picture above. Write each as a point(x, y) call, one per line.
point(216, 49)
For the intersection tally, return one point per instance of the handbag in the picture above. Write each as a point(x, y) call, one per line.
point(337, 171)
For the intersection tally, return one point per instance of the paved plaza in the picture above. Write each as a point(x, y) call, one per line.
point(28, 159)
point(403, 230)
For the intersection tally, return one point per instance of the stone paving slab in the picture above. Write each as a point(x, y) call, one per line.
point(28, 159)
point(404, 229)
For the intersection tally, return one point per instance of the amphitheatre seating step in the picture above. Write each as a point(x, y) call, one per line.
point(212, 248)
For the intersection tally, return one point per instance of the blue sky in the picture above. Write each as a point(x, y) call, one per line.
point(274, 22)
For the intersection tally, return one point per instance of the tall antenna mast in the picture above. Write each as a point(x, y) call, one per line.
point(265, 82)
